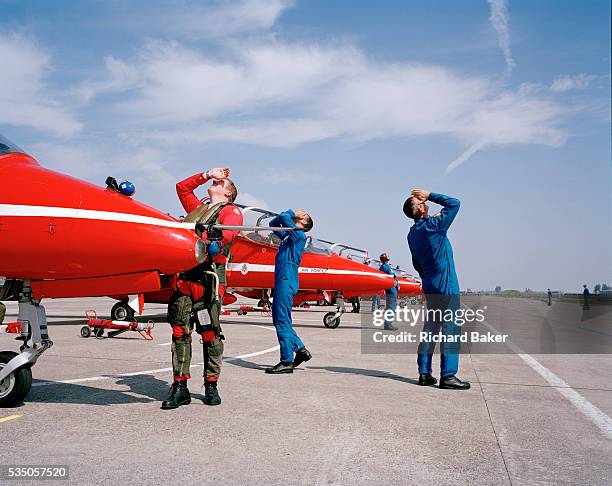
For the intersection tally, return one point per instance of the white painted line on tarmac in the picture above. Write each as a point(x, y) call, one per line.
point(250, 355)
point(10, 417)
point(594, 414)
point(158, 370)
point(294, 318)
point(267, 328)
point(590, 411)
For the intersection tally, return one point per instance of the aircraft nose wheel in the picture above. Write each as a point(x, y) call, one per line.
point(330, 321)
point(15, 387)
point(265, 305)
point(121, 311)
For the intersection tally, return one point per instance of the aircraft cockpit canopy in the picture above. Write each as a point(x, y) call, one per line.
point(8, 147)
point(253, 216)
point(374, 263)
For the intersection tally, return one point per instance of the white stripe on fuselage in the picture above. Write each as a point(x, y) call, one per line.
point(91, 214)
point(256, 267)
point(75, 213)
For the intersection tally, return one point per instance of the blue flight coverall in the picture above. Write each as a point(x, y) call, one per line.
point(432, 258)
point(288, 259)
point(390, 294)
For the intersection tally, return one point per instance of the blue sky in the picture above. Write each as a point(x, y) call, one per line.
point(340, 108)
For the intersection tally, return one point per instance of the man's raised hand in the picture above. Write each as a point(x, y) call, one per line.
point(420, 194)
point(219, 173)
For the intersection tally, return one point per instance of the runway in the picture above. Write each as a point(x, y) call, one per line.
point(343, 418)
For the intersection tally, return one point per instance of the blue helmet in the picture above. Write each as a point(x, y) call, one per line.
point(127, 188)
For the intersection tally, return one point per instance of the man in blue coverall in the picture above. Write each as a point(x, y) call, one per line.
point(432, 257)
point(390, 294)
point(288, 259)
point(549, 294)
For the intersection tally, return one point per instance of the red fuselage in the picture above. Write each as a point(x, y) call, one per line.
point(71, 238)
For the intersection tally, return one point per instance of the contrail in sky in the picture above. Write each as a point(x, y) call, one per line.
point(465, 156)
point(499, 20)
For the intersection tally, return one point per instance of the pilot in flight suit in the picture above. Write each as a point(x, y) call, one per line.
point(194, 293)
point(288, 259)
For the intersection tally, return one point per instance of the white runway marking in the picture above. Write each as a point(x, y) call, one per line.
point(594, 414)
point(10, 417)
point(267, 328)
point(295, 318)
point(159, 370)
point(250, 355)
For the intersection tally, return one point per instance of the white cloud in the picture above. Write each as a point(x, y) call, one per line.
point(177, 84)
point(219, 19)
point(144, 164)
point(25, 97)
point(119, 76)
point(499, 20)
point(250, 200)
point(77, 160)
point(95, 160)
point(567, 82)
point(281, 95)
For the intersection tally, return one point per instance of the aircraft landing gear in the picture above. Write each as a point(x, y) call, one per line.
point(16, 369)
point(15, 387)
point(121, 311)
point(331, 320)
point(265, 304)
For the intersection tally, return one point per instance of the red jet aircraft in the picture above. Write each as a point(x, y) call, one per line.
point(63, 237)
point(324, 272)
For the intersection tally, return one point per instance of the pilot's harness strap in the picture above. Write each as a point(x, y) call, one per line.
point(207, 215)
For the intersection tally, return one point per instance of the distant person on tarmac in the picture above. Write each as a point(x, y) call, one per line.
point(549, 297)
point(390, 294)
point(585, 297)
point(375, 302)
point(432, 257)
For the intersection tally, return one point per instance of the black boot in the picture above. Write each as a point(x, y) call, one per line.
point(301, 356)
point(280, 368)
point(179, 395)
point(454, 383)
point(211, 394)
point(425, 379)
